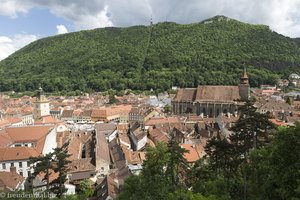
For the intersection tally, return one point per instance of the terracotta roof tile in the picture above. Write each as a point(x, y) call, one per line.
point(17, 153)
point(209, 93)
point(192, 155)
point(10, 180)
point(28, 133)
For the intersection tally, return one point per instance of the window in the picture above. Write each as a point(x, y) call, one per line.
point(21, 173)
point(26, 145)
point(20, 164)
point(3, 166)
point(18, 145)
point(11, 164)
point(28, 165)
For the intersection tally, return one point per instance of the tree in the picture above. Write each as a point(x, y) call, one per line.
point(250, 131)
point(160, 172)
point(288, 101)
point(167, 108)
point(153, 174)
point(53, 162)
point(220, 154)
point(61, 163)
point(86, 188)
point(275, 168)
point(204, 180)
point(112, 99)
point(42, 165)
point(175, 163)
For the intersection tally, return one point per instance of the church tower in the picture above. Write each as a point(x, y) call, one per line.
point(244, 87)
point(41, 108)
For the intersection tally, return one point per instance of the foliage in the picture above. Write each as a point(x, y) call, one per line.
point(160, 172)
point(145, 57)
point(275, 170)
point(225, 172)
point(251, 130)
point(57, 162)
point(288, 101)
point(270, 172)
point(167, 108)
point(86, 188)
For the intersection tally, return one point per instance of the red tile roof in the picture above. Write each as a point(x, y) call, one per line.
point(17, 153)
point(10, 180)
point(192, 155)
point(28, 133)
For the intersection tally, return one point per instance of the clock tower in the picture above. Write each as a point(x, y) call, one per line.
point(41, 107)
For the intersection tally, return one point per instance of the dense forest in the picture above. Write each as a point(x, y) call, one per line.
point(156, 56)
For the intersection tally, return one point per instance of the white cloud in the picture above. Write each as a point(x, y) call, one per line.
point(9, 45)
point(100, 19)
point(61, 29)
point(11, 8)
point(281, 15)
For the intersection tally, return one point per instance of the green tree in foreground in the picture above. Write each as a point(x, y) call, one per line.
point(250, 131)
point(53, 162)
point(275, 169)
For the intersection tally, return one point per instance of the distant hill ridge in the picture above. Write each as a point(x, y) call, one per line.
point(213, 51)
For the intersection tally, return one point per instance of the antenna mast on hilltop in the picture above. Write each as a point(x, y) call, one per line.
point(151, 21)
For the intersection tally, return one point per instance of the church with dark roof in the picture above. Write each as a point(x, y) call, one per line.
point(212, 100)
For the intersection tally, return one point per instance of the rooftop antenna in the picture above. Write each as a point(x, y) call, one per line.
point(151, 21)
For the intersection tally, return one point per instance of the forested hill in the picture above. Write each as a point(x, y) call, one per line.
point(143, 57)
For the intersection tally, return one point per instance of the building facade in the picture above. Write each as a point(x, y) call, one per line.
point(212, 100)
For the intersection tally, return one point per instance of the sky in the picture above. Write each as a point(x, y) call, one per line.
point(24, 21)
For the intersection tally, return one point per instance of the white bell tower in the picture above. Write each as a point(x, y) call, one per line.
point(41, 107)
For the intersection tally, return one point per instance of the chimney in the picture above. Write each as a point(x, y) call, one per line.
point(13, 170)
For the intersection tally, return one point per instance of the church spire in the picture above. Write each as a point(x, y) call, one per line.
point(244, 79)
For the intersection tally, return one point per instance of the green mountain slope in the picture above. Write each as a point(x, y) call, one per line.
point(159, 56)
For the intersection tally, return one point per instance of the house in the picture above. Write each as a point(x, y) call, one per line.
point(192, 154)
point(275, 107)
point(11, 181)
point(134, 160)
point(67, 115)
point(158, 135)
point(11, 121)
point(17, 157)
point(27, 118)
point(109, 130)
point(102, 153)
point(56, 112)
point(24, 142)
point(39, 185)
point(86, 116)
point(137, 136)
point(81, 169)
point(116, 113)
point(141, 113)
